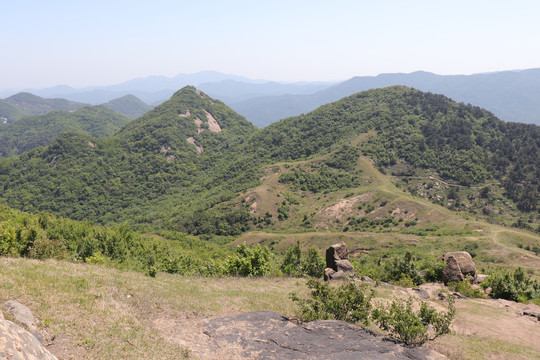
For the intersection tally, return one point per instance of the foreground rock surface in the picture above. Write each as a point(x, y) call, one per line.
point(268, 335)
point(17, 344)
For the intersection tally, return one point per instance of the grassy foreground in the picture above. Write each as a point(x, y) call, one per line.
point(92, 312)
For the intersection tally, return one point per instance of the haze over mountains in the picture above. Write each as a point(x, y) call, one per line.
point(510, 95)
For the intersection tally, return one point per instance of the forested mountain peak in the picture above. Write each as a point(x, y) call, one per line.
point(190, 119)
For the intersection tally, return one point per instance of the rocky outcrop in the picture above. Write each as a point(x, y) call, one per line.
point(338, 266)
point(23, 315)
point(17, 343)
point(459, 266)
point(268, 335)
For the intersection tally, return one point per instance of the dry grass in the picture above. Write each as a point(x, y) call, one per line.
point(89, 312)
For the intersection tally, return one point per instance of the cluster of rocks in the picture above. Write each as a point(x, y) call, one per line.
point(459, 267)
point(338, 266)
point(21, 342)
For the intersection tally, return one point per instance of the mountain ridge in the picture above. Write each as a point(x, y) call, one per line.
point(508, 94)
point(169, 169)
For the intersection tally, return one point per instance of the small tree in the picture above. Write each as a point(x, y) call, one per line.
point(249, 261)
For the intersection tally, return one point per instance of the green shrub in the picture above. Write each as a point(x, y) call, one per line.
point(249, 261)
point(401, 268)
point(313, 264)
point(296, 264)
point(292, 263)
point(348, 302)
point(513, 286)
point(433, 270)
point(409, 326)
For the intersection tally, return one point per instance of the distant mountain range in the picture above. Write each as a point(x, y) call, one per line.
point(510, 95)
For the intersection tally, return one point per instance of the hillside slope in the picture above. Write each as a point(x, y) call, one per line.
point(175, 165)
point(110, 179)
point(30, 104)
point(33, 131)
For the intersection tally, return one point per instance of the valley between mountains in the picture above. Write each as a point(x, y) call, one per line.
point(125, 237)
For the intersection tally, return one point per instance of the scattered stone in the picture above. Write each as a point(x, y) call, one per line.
point(459, 269)
point(385, 284)
point(532, 314)
point(368, 279)
point(21, 313)
point(480, 278)
point(17, 343)
point(337, 260)
point(268, 335)
point(441, 296)
point(421, 293)
point(457, 295)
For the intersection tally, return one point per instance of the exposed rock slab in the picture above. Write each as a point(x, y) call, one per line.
point(17, 344)
point(268, 335)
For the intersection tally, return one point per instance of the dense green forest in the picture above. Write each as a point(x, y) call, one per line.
point(126, 176)
point(33, 131)
point(172, 168)
point(461, 143)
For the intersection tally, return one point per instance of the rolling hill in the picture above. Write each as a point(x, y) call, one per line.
point(23, 104)
point(183, 164)
point(128, 105)
point(33, 131)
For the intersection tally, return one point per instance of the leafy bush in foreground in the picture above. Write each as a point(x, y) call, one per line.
point(348, 302)
point(409, 326)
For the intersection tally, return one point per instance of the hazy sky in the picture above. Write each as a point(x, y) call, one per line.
point(101, 42)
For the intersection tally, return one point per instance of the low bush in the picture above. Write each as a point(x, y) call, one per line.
point(515, 286)
point(296, 264)
point(349, 302)
point(409, 326)
point(465, 288)
point(249, 261)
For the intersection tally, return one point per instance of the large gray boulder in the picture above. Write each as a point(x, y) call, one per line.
point(459, 266)
point(17, 343)
point(338, 266)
